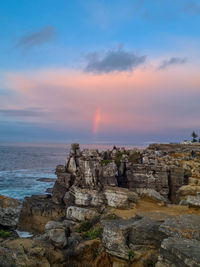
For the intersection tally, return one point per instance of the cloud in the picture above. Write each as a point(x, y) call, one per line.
point(28, 41)
point(172, 61)
point(27, 112)
point(191, 8)
point(117, 60)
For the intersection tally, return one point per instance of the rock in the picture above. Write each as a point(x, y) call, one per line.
point(57, 237)
point(194, 201)
point(117, 197)
point(61, 186)
point(53, 225)
point(80, 214)
point(86, 197)
point(182, 226)
point(186, 190)
point(37, 211)
point(152, 195)
point(115, 237)
point(143, 176)
point(9, 211)
point(175, 252)
point(145, 233)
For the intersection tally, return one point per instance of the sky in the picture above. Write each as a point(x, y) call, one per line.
point(99, 71)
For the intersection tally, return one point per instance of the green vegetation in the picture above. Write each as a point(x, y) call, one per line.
point(84, 226)
point(131, 255)
point(4, 234)
point(105, 161)
point(92, 234)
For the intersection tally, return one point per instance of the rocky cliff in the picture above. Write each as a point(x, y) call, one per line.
point(112, 208)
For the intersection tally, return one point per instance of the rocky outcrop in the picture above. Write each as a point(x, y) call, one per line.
point(179, 252)
point(93, 178)
point(80, 214)
point(9, 211)
point(37, 211)
point(183, 226)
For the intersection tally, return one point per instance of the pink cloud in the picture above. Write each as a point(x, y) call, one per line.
point(126, 102)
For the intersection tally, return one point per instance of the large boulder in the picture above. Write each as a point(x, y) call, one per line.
point(178, 252)
point(80, 214)
point(118, 197)
point(57, 237)
point(145, 233)
point(9, 211)
point(115, 237)
point(194, 201)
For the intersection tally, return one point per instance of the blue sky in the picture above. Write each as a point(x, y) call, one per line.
point(92, 46)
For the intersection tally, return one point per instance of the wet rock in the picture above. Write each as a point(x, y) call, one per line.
point(182, 226)
point(80, 214)
point(9, 211)
point(175, 252)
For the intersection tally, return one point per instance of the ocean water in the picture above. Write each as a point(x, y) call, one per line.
point(22, 164)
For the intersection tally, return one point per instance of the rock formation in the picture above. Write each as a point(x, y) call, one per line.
point(111, 208)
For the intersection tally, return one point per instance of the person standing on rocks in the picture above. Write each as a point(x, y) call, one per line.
point(192, 153)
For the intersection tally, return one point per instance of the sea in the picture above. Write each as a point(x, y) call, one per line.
point(21, 165)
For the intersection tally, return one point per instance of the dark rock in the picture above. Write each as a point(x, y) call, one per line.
point(179, 252)
point(145, 232)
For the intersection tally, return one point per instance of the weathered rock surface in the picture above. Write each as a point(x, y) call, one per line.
point(146, 233)
point(57, 237)
point(80, 214)
point(194, 201)
point(178, 252)
point(115, 237)
point(183, 226)
point(9, 211)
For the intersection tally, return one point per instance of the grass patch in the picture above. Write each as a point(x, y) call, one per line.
point(4, 234)
point(131, 255)
point(84, 226)
point(105, 161)
point(92, 234)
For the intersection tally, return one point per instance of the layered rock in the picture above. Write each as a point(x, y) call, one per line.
point(179, 252)
point(9, 211)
